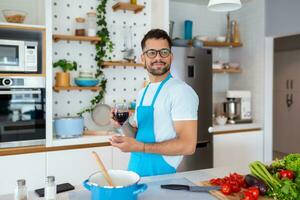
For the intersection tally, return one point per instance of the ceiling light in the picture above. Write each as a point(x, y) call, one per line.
point(224, 5)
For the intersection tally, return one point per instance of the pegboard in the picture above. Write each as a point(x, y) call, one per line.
point(123, 82)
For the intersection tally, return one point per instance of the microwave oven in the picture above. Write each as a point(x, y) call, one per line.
point(18, 56)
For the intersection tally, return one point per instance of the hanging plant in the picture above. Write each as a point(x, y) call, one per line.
point(103, 48)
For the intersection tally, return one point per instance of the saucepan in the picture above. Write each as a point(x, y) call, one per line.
point(125, 187)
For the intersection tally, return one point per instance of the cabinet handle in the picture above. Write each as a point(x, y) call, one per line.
point(289, 100)
point(287, 84)
point(292, 84)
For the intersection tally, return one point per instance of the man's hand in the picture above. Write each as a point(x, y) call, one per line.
point(126, 144)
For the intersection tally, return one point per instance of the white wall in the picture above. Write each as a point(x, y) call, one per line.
point(251, 55)
point(282, 17)
point(204, 22)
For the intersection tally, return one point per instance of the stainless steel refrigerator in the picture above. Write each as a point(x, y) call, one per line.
point(194, 66)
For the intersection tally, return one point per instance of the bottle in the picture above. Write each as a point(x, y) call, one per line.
point(80, 29)
point(235, 32)
point(50, 188)
point(91, 24)
point(21, 190)
point(133, 1)
point(228, 30)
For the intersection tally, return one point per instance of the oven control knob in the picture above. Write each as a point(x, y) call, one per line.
point(7, 82)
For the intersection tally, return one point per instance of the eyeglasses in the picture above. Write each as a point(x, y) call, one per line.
point(152, 53)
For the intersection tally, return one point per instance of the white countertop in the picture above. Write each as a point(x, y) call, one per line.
point(105, 138)
point(236, 127)
point(194, 176)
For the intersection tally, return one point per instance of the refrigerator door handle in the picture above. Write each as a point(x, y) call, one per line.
point(202, 144)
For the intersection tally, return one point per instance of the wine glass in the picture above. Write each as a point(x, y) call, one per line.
point(121, 113)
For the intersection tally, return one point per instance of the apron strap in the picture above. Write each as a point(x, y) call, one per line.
point(157, 92)
point(141, 103)
point(159, 88)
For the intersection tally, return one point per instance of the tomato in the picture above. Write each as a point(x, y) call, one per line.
point(289, 174)
point(235, 188)
point(216, 181)
point(254, 191)
point(226, 189)
point(247, 196)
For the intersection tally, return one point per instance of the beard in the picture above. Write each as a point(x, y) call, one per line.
point(159, 71)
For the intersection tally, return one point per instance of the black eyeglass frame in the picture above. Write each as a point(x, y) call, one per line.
point(158, 51)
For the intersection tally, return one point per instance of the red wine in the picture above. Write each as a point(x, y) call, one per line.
point(121, 117)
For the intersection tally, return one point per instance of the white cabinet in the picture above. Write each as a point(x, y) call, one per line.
point(74, 166)
point(30, 167)
point(232, 149)
point(120, 159)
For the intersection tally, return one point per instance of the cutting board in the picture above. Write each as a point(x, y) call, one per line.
point(221, 196)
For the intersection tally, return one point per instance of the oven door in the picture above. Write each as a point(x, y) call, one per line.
point(22, 117)
point(12, 56)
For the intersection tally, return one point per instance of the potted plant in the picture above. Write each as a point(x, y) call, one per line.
point(63, 78)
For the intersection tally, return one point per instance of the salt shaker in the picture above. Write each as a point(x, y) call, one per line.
point(91, 24)
point(50, 188)
point(21, 190)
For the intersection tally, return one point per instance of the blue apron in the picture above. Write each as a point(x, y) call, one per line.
point(148, 164)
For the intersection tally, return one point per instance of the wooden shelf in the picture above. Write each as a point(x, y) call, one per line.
point(30, 27)
point(94, 89)
point(121, 63)
point(230, 71)
point(128, 6)
point(221, 44)
point(93, 40)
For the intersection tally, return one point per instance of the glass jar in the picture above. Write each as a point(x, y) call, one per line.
point(91, 24)
point(80, 26)
point(50, 188)
point(21, 190)
point(133, 1)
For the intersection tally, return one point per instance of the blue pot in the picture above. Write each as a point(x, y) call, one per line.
point(68, 127)
point(126, 186)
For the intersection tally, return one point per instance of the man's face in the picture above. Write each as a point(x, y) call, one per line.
point(157, 56)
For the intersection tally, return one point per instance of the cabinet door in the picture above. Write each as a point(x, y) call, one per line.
point(240, 149)
point(120, 159)
point(74, 166)
point(30, 167)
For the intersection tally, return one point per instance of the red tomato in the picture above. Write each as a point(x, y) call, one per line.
point(247, 196)
point(254, 191)
point(235, 188)
point(287, 174)
point(226, 189)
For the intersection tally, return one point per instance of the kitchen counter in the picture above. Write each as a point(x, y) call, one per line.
point(193, 176)
point(231, 128)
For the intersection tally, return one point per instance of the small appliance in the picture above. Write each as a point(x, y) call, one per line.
point(18, 56)
point(238, 106)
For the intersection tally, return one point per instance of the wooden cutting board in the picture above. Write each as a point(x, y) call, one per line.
point(221, 196)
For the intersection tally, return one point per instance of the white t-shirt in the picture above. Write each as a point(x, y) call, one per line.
point(176, 101)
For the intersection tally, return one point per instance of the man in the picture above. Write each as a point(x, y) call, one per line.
point(166, 114)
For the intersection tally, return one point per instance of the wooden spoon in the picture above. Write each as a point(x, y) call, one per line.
point(103, 169)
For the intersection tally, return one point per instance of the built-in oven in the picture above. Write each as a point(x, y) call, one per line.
point(18, 56)
point(22, 111)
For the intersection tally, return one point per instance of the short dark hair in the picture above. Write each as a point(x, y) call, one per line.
point(156, 34)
